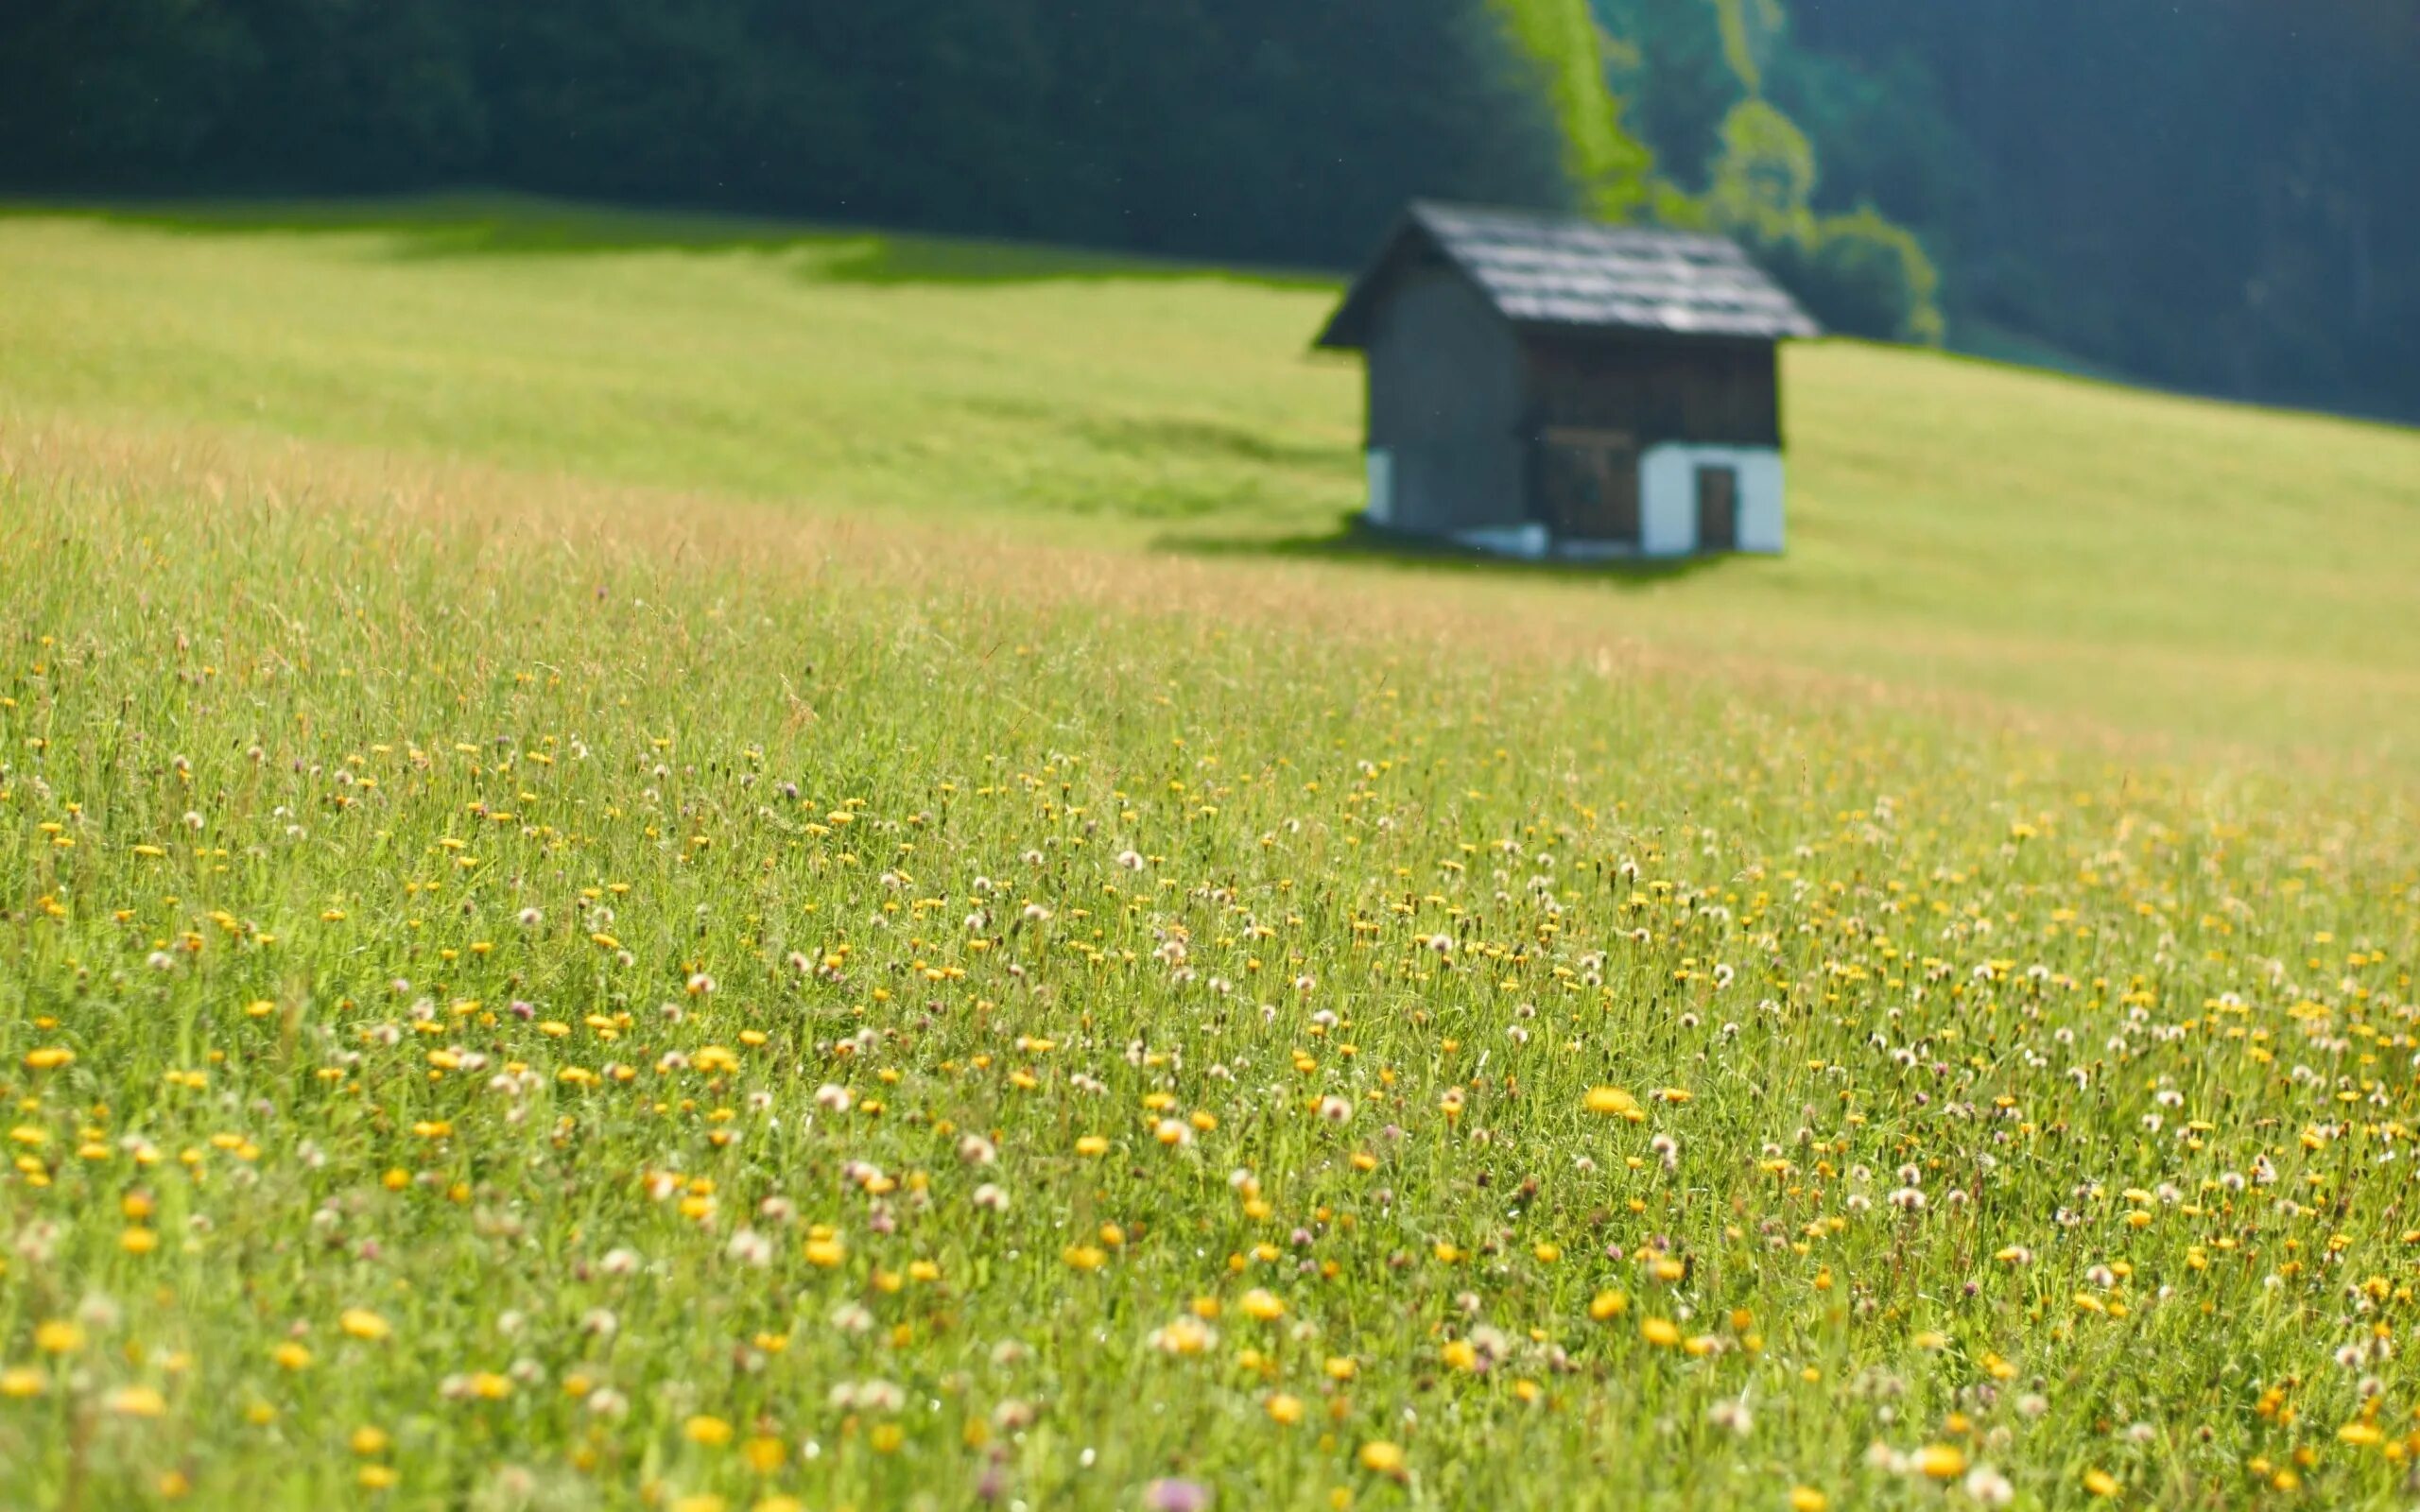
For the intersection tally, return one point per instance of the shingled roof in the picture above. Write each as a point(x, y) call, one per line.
point(1557, 272)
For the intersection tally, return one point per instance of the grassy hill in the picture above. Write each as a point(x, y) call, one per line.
point(2153, 565)
point(655, 864)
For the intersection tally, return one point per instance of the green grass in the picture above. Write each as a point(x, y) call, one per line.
point(636, 869)
point(2154, 566)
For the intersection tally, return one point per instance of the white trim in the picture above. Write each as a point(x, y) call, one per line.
point(1667, 496)
point(1381, 464)
point(1528, 540)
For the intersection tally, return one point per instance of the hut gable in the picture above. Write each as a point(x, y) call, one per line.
point(1541, 384)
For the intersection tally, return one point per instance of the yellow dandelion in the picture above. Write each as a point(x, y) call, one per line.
point(1941, 1462)
point(1379, 1457)
point(1283, 1409)
point(136, 1401)
point(1661, 1332)
point(711, 1432)
point(58, 1336)
point(361, 1323)
point(1612, 1102)
point(765, 1454)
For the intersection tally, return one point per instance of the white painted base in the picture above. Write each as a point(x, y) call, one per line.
point(1382, 486)
point(1668, 492)
point(1529, 540)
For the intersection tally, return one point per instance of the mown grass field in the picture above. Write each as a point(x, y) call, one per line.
point(659, 864)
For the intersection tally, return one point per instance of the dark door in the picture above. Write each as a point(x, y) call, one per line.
point(1587, 485)
point(1718, 509)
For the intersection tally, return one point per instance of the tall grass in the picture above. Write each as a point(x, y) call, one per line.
point(530, 986)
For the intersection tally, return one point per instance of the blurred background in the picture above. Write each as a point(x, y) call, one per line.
point(2216, 197)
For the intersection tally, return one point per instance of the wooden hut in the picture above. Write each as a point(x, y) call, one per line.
point(1543, 385)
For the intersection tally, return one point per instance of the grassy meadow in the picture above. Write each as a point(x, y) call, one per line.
point(654, 863)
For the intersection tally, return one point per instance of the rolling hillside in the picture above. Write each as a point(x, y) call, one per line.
point(2153, 565)
point(690, 867)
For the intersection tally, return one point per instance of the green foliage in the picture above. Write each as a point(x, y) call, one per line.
point(1607, 164)
point(2209, 196)
point(1256, 130)
point(1767, 168)
point(1858, 274)
point(1750, 30)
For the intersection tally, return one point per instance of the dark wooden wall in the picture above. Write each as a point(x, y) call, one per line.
point(1718, 393)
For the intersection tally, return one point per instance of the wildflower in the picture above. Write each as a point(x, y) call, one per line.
point(360, 1323)
point(1379, 1457)
point(19, 1381)
point(1261, 1305)
point(1612, 1102)
point(1176, 1496)
point(1939, 1462)
point(1808, 1499)
point(1284, 1410)
point(1185, 1335)
point(765, 1454)
point(58, 1336)
point(712, 1432)
point(136, 1401)
point(1988, 1488)
point(2101, 1482)
point(1661, 1333)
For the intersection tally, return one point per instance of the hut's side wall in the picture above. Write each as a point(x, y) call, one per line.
point(1446, 380)
point(1715, 393)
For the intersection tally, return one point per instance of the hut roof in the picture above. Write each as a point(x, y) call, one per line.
point(1562, 272)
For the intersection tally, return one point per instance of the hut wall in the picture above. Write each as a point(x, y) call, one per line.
point(1445, 409)
point(1718, 393)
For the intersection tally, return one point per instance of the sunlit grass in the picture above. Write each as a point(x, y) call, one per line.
point(2161, 567)
point(534, 980)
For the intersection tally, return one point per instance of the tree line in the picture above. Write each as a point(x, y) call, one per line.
point(2215, 196)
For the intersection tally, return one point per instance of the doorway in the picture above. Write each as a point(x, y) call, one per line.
point(1587, 483)
point(1718, 509)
